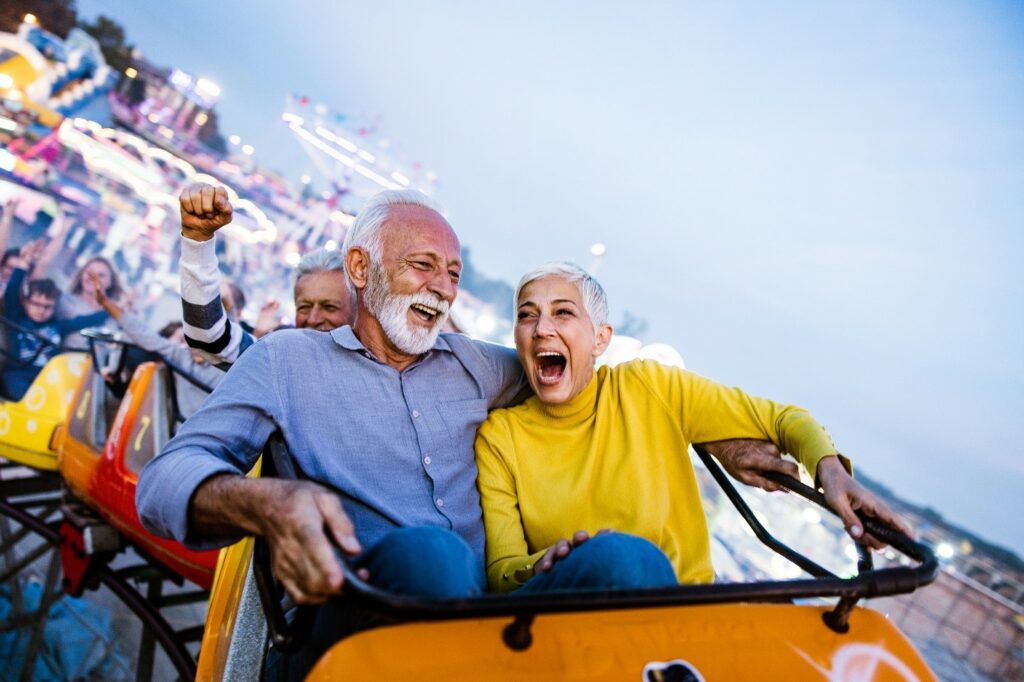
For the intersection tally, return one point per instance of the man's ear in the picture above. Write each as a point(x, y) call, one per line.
point(357, 265)
point(604, 337)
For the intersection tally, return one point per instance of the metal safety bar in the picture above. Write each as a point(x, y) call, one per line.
point(869, 582)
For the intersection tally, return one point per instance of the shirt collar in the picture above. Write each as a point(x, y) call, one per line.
point(346, 338)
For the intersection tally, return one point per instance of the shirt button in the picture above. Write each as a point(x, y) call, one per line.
point(426, 460)
point(415, 414)
point(440, 502)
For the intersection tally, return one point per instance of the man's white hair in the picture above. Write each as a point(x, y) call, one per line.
point(320, 260)
point(366, 230)
point(595, 301)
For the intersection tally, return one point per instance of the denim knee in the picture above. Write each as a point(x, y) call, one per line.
point(625, 561)
point(424, 562)
point(609, 561)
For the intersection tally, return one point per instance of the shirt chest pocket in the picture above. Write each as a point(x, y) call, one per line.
point(462, 418)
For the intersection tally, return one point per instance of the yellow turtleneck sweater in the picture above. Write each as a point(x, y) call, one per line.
point(616, 457)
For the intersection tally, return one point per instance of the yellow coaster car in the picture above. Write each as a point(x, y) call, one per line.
point(27, 425)
point(782, 629)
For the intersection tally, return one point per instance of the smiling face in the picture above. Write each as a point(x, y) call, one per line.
point(322, 301)
point(96, 269)
point(39, 308)
point(556, 340)
point(408, 294)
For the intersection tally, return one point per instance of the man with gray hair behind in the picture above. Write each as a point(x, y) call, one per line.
point(323, 299)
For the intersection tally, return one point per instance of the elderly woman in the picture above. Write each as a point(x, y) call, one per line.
point(599, 450)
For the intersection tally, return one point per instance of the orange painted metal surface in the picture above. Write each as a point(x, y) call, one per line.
point(112, 488)
point(77, 457)
point(106, 479)
point(222, 611)
point(720, 642)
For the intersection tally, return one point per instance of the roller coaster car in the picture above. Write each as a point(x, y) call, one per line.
point(725, 631)
point(65, 535)
point(101, 467)
point(28, 424)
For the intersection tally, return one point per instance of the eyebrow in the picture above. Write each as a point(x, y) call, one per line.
point(556, 301)
point(434, 255)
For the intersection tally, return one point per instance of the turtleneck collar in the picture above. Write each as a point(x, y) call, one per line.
point(583, 405)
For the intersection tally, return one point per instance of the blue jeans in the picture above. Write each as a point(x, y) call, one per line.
point(422, 562)
point(609, 561)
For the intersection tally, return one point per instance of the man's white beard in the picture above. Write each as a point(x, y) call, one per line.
point(391, 310)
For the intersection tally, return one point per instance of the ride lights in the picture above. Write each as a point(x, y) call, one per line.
point(208, 88)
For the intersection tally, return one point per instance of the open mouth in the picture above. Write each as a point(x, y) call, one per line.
point(425, 312)
point(550, 366)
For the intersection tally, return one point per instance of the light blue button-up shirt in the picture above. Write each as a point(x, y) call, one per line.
point(397, 446)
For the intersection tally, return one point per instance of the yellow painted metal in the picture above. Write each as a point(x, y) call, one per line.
point(225, 596)
point(721, 642)
point(20, 70)
point(27, 425)
point(23, 74)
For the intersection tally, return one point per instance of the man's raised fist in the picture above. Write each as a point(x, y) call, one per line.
point(204, 210)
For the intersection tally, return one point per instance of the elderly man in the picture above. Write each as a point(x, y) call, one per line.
point(381, 416)
point(323, 299)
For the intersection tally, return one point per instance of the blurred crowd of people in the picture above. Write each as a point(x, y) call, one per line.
point(52, 287)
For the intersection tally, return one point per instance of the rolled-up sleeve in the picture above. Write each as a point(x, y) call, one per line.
point(224, 437)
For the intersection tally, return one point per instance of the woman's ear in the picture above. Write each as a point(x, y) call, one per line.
point(357, 265)
point(604, 337)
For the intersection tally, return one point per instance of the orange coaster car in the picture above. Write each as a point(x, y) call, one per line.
point(726, 631)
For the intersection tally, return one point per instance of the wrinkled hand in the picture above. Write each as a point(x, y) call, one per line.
point(304, 559)
point(746, 460)
point(845, 496)
point(561, 549)
point(267, 320)
point(204, 210)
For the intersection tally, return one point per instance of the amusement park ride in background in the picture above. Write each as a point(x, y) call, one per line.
point(72, 549)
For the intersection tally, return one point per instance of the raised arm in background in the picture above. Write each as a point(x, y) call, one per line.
point(147, 339)
point(58, 234)
point(204, 210)
point(6, 220)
